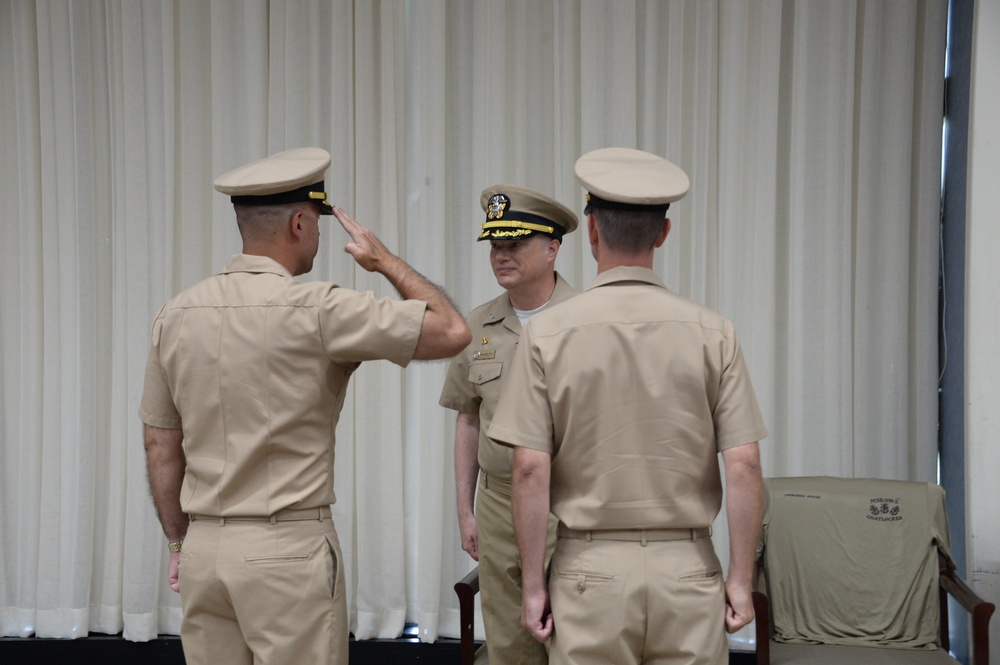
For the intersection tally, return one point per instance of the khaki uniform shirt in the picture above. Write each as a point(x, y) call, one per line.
point(253, 366)
point(476, 375)
point(634, 391)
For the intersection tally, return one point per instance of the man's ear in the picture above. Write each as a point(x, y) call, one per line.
point(295, 225)
point(552, 249)
point(592, 229)
point(663, 232)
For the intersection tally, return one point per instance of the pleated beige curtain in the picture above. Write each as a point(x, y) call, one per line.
point(811, 131)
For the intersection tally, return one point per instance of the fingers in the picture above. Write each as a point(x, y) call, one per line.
point(545, 630)
point(536, 616)
point(542, 630)
point(736, 620)
point(345, 220)
point(472, 548)
point(358, 245)
point(173, 572)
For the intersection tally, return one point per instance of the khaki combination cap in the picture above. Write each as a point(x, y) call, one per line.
point(514, 212)
point(628, 179)
point(291, 176)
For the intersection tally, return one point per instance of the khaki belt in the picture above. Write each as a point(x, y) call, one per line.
point(635, 535)
point(287, 515)
point(493, 483)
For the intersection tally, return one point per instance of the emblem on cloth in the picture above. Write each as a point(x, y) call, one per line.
point(884, 509)
point(497, 206)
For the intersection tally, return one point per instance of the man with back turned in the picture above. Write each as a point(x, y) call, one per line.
point(619, 403)
point(246, 377)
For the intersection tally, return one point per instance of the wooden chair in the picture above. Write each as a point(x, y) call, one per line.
point(466, 589)
point(858, 571)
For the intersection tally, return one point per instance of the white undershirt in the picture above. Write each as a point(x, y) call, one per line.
point(524, 314)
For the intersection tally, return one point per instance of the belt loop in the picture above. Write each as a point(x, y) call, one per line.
point(642, 537)
point(590, 536)
point(222, 521)
point(321, 516)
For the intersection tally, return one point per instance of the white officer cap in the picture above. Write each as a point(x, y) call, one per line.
point(286, 177)
point(628, 179)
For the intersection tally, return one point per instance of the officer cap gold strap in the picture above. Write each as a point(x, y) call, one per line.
point(514, 212)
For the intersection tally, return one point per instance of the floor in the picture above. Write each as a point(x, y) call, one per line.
point(113, 650)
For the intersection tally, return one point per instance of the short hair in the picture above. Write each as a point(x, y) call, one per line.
point(629, 231)
point(258, 222)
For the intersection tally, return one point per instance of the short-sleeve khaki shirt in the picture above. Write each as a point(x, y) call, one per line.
point(634, 391)
point(253, 366)
point(476, 375)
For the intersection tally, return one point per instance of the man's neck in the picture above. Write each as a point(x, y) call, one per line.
point(531, 296)
point(607, 262)
point(271, 252)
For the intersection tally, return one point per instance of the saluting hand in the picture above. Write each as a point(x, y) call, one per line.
point(365, 247)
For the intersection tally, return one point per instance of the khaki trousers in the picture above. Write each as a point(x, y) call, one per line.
point(260, 593)
point(658, 602)
point(500, 578)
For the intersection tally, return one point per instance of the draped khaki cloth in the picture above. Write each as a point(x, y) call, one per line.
point(854, 561)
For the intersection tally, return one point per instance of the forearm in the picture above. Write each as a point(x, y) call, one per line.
point(466, 462)
point(744, 509)
point(165, 463)
point(444, 332)
point(410, 284)
point(530, 498)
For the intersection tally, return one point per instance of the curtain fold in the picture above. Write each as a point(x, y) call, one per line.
point(811, 132)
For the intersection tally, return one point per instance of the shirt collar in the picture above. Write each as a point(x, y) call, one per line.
point(627, 274)
point(502, 307)
point(254, 264)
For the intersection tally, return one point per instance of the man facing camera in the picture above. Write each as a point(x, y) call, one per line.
point(246, 377)
point(525, 230)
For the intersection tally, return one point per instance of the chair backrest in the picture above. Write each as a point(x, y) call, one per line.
point(854, 561)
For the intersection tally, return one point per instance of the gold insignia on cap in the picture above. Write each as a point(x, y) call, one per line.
point(497, 206)
point(523, 228)
point(319, 196)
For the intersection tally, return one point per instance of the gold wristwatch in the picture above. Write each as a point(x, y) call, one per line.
point(175, 546)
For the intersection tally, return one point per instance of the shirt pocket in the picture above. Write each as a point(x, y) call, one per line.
point(483, 373)
point(485, 380)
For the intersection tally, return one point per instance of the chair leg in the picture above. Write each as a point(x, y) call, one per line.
point(763, 628)
point(466, 590)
